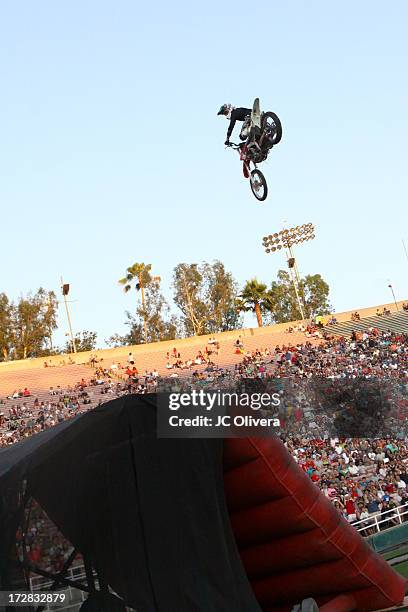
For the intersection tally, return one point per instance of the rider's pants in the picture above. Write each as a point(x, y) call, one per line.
point(245, 128)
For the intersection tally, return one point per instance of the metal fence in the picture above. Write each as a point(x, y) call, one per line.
point(74, 597)
point(383, 520)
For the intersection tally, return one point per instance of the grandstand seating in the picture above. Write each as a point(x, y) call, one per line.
point(39, 380)
point(31, 374)
point(396, 322)
point(68, 370)
point(147, 358)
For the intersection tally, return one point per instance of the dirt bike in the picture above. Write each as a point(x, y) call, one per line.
point(265, 131)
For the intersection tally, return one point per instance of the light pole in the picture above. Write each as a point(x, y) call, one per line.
point(286, 239)
point(393, 295)
point(65, 291)
point(405, 249)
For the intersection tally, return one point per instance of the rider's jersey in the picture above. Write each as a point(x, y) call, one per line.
point(238, 114)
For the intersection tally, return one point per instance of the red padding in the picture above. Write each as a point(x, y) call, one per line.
point(292, 541)
point(342, 603)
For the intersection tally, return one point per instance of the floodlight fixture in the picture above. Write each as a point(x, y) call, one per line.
point(286, 239)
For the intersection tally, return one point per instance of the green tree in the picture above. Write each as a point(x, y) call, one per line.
point(221, 291)
point(154, 317)
point(138, 275)
point(34, 319)
point(160, 323)
point(255, 298)
point(206, 296)
point(6, 327)
point(118, 340)
point(313, 292)
point(187, 285)
point(49, 314)
point(84, 341)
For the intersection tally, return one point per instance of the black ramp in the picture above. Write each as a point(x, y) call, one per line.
point(150, 513)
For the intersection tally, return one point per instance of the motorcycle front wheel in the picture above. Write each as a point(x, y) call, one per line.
point(258, 185)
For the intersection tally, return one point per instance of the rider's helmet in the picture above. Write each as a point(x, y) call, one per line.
point(224, 109)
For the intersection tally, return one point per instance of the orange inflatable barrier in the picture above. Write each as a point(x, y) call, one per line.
point(293, 542)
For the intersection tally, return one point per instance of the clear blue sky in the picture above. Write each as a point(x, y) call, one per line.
point(111, 150)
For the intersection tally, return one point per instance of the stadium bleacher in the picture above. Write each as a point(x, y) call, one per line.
point(395, 321)
point(33, 375)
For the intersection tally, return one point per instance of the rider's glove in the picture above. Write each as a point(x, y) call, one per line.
point(227, 143)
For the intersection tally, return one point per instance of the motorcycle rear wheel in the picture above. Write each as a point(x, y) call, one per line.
point(272, 127)
point(258, 185)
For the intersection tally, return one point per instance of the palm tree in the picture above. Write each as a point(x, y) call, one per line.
point(255, 298)
point(139, 276)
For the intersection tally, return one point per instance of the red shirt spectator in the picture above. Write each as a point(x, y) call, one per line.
point(350, 506)
point(298, 414)
point(35, 554)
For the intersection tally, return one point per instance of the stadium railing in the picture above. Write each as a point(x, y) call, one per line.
point(379, 520)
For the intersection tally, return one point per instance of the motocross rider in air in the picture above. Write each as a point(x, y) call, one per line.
point(234, 115)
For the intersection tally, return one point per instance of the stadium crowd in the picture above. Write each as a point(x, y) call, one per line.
point(327, 389)
point(363, 478)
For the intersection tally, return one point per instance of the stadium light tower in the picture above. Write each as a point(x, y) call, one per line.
point(286, 239)
point(65, 291)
